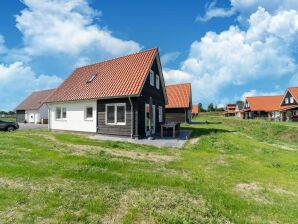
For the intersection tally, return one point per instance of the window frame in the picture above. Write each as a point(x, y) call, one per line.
point(286, 100)
point(85, 113)
point(157, 80)
point(61, 118)
point(115, 105)
point(151, 77)
point(291, 99)
point(160, 114)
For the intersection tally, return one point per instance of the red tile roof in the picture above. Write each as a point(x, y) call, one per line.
point(195, 109)
point(119, 77)
point(179, 96)
point(35, 100)
point(294, 92)
point(264, 103)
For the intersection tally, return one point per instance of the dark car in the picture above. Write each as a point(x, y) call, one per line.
point(295, 118)
point(8, 126)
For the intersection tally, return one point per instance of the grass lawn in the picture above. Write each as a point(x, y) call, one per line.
point(7, 118)
point(230, 171)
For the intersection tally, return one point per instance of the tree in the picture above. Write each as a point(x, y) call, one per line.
point(210, 107)
point(201, 109)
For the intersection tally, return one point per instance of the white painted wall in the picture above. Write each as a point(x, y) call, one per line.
point(43, 112)
point(75, 116)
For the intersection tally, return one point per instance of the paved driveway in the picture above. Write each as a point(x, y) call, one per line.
point(32, 126)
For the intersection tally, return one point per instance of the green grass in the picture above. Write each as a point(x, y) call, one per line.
point(229, 171)
point(7, 118)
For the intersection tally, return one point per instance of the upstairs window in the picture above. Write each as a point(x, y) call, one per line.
point(151, 78)
point(157, 81)
point(91, 78)
point(291, 99)
point(286, 100)
point(116, 114)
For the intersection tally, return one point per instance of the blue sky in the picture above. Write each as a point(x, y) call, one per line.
point(227, 49)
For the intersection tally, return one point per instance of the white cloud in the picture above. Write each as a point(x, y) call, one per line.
point(67, 27)
point(212, 11)
point(246, 7)
point(254, 92)
point(237, 57)
point(17, 81)
point(2, 45)
point(169, 57)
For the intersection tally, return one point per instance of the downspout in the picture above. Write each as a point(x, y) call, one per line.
point(131, 115)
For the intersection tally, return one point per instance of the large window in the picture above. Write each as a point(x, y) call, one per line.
point(287, 100)
point(60, 113)
point(116, 114)
point(151, 78)
point(88, 112)
point(291, 99)
point(157, 81)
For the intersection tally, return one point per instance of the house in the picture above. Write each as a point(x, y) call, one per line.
point(125, 96)
point(33, 109)
point(230, 110)
point(239, 109)
point(179, 104)
point(262, 107)
point(195, 110)
point(289, 103)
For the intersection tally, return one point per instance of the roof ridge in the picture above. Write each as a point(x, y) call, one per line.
point(264, 96)
point(179, 84)
point(116, 58)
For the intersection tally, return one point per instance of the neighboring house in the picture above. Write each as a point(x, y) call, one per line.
point(239, 109)
point(112, 97)
point(195, 110)
point(262, 107)
point(179, 104)
point(289, 103)
point(230, 110)
point(33, 109)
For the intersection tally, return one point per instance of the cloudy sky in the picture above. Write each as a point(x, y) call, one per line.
point(227, 49)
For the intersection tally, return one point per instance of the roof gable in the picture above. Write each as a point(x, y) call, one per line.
point(264, 103)
point(179, 96)
point(119, 77)
point(294, 92)
point(35, 100)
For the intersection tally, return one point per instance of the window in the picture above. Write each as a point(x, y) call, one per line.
point(91, 78)
point(286, 100)
point(116, 114)
point(89, 113)
point(151, 78)
point(160, 114)
point(157, 81)
point(60, 113)
point(291, 99)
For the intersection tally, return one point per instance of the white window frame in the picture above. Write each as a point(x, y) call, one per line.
point(115, 105)
point(85, 113)
point(157, 81)
point(61, 118)
point(286, 100)
point(151, 77)
point(291, 99)
point(160, 113)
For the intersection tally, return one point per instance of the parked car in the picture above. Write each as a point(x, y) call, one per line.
point(295, 118)
point(8, 126)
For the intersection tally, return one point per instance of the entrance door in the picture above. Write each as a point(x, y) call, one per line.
point(31, 118)
point(148, 126)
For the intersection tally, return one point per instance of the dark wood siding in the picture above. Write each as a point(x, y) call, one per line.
point(180, 115)
point(158, 99)
point(288, 95)
point(20, 116)
point(122, 130)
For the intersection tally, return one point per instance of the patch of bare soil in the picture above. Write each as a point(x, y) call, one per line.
point(135, 155)
point(252, 191)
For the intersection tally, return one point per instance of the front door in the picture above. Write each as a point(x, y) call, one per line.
point(149, 126)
